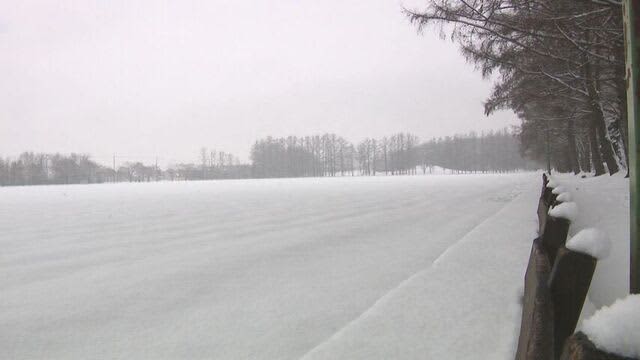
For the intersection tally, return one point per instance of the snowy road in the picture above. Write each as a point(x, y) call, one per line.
point(255, 269)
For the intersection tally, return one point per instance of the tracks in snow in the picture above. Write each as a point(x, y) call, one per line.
point(390, 294)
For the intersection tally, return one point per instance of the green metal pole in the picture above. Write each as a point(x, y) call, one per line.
point(631, 9)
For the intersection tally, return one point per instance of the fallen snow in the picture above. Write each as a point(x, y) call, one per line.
point(565, 210)
point(604, 205)
point(616, 328)
point(266, 269)
point(591, 242)
point(551, 183)
point(466, 305)
point(559, 190)
point(564, 197)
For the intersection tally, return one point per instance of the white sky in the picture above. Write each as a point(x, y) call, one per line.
point(150, 78)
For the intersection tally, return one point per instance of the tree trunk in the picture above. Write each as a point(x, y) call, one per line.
point(593, 87)
point(571, 151)
point(595, 151)
point(622, 120)
point(605, 144)
point(596, 121)
point(585, 163)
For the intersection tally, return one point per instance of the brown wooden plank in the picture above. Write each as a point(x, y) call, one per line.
point(569, 283)
point(536, 328)
point(554, 236)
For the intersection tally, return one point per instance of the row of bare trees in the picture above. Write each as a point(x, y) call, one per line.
point(318, 155)
point(44, 169)
point(331, 155)
point(214, 165)
point(559, 65)
point(39, 169)
point(488, 152)
point(398, 154)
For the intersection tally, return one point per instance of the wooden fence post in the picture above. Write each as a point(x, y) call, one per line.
point(569, 283)
point(554, 236)
point(536, 327)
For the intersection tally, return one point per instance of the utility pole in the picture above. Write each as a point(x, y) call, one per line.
point(631, 11)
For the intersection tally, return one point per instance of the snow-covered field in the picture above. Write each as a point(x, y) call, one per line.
point(368, 267)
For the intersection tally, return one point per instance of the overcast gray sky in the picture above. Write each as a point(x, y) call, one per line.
point(150, 78)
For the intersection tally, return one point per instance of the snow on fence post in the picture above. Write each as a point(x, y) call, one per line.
point(557, 279)
point(536, 328)
point(569, 283)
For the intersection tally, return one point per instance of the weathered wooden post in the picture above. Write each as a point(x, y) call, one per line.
point(569, 283)
point(554, 236)
point(543, 206)
point(536, 329)
point(631, 11)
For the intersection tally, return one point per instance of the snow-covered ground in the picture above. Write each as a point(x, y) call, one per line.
point(603, 205)
point(464, 305)
point(610, 317)
point(370, 267)
point(616, 328)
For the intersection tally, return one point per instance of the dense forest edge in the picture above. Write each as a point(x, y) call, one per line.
point(558, 64)
point(308, 156)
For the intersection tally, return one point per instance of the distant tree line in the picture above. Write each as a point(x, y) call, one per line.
point(47, 169)
point(488, 152)
point(317, 155)
point(398, 154)
point(40, 169)
point(559, 64)
point(331, 155)
point(214, 165)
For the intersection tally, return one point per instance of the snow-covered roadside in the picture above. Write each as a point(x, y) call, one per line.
point(467, 305)
point(610, 317)
point(603, 204)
